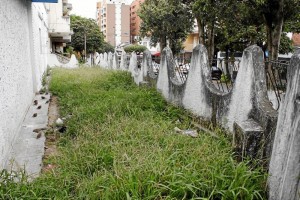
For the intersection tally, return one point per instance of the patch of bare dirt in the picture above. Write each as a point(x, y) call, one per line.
point(51, 135)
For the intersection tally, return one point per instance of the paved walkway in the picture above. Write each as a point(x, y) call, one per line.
point(28, 149)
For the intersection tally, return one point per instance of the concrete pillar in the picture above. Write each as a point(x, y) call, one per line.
point(284, 182)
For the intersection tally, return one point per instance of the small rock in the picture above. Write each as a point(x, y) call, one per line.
point(39, 107)
point(39, 129)
point(43, 97)
point(38, 135)
point(34, 115)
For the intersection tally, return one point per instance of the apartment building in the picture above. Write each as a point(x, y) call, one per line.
point(113, 18)
point(296, 39)
point(59, 25)
point(135, 20)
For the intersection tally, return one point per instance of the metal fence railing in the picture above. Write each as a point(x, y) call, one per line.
point(276, 79)
point(182, 67)
point(155, 64)
point(224, 72)
point(62, 59)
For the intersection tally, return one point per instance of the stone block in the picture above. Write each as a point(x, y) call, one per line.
point(247, 136)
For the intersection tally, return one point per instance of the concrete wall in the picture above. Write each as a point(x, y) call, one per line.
point(246, 112)
point(40, 43)
point(57, 23)
point(55, 60)
point(24, 49)
point(284, 182)
point(16, 72)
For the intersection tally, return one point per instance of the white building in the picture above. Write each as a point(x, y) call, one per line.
point(59, 25)
point(113, 19)
point(24, 48)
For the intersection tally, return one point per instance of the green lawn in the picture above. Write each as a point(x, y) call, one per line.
point(120, 144)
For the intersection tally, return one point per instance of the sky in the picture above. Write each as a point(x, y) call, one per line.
point(85, 8)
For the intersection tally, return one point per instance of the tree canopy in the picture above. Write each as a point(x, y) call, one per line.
point(166, 21)
point(83, 27)
point(136, 48)
point(235, 24)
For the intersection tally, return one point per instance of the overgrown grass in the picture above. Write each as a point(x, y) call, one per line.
point(120, 144)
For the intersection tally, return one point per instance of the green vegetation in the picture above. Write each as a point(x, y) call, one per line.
point(120, 144)
point(86, 30)
point(166, 20)
point(136, 48)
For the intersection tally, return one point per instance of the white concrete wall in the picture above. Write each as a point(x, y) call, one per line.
point(54, 62)
point(16, 80)
point(40, 42)
point(23, 61)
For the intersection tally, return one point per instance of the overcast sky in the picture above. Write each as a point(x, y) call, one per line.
point(86, 8)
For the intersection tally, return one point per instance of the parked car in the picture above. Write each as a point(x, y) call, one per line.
point(216, 73)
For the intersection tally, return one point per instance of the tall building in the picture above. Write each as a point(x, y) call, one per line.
point(296, 39)
point(135, 20)
point(113, 18)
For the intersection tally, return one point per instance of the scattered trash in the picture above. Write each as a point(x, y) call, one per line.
point(189, 132)
point(62, 129)
point(205, 130)
point(59, 122)
point(35, 102)
point(67, 117)
point(49, 167)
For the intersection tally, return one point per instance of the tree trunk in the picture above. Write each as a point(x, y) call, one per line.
point(274, 22)
point(211, 42)
point(276, 36)
point(201, 31)
point(163, 43)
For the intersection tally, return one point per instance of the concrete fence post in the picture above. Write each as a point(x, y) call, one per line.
point(284, 180)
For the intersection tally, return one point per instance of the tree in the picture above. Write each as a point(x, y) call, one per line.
point(86, 30)
point(106, 47)
point(136, 48)
point(274, 14)
point(166, 20)
point(206, 12)
point(286, 45)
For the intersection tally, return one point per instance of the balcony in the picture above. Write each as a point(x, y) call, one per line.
point(67, 7)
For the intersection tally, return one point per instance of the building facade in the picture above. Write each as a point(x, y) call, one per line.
point(113, 19)
point(24, 46)
point(192, 39)
point(59, 25)
point(296, 39)
point(135, 20)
